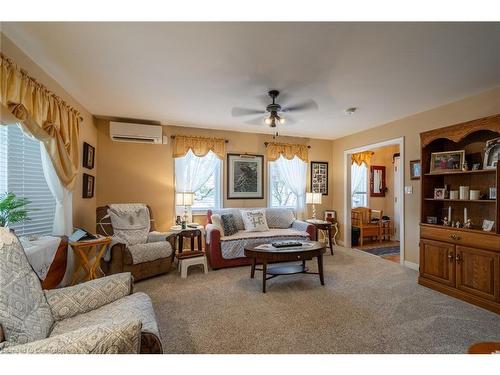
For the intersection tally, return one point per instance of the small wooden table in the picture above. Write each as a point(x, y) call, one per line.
point(268, 254)
point(190, 232)
point(90, 265)
point(327, 227)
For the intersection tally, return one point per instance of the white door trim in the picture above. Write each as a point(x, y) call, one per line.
point(347, 189)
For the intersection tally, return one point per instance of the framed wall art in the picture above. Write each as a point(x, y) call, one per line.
point(319, 177)
point(245, 176)
point(88, 186)
point(415, 170)
point(88, 155)
point(491, 153)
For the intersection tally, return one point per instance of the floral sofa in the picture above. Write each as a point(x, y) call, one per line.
point(99, 317)
point(228, 251)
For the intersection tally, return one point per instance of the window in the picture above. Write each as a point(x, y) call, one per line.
point(280, 193)
point(21, 173)
point(359, 185)
point(202, 176)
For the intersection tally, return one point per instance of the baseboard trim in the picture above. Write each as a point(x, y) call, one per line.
point(340, 243)
point(413, 266)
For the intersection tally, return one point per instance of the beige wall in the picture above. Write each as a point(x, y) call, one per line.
point(132, 172)
point(481, 105)
point(83, 209)
point(383, 157)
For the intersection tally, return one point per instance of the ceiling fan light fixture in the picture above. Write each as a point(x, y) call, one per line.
point(282, 120)
point(268, 120)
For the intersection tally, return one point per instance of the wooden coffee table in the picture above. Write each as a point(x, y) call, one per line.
point(268, 254)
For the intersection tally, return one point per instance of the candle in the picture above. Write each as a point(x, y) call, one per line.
point(449, 214)
point(465, 215)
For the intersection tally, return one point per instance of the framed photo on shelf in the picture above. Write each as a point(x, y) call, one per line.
point(88, 186)
point(432, 220)
point(488, 225)
point(331, 216)
point(319, 177)
point(491, 153)
point(245, 176)
point(88, 155)
point(439, 193)
point(449, 161)
point(415, 170)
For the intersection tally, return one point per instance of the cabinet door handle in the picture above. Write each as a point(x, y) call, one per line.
point(458, 258)
point(450, 256)
point(454, 236)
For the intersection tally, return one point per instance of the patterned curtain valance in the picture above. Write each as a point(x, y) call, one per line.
point(288, 150)
point(44, 115)
point(199, 145)
point(362, 157)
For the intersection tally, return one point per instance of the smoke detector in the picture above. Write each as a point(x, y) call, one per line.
point(350, 111)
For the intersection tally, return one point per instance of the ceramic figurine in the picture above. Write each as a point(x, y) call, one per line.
point(445, 222)
point(457, 224)
point(468, 224)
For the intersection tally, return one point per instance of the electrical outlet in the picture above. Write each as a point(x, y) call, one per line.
point(408, 189)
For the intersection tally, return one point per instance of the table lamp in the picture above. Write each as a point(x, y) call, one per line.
point(313, 198)
point(186, 200)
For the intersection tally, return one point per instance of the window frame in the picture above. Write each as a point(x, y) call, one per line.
point(367, 187)
point(270, 188)
point(218, 192)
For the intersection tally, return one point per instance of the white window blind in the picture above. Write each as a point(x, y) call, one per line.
point(21, 173)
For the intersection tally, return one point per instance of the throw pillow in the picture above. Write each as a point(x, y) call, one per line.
point(217, 221)
point(229, 225)
point(255, 220)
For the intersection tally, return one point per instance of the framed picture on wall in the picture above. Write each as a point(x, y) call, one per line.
point(88, 155)
point(377, 181)
point(319, 177)
point(415, 170)
point(245, 176)
point(88, 186)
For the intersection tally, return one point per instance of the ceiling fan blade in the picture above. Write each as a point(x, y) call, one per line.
point(305, 106)
point(237, 111)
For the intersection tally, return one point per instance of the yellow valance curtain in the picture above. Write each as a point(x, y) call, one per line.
point(44, 115)
point(288, 150)
point(199, 145)
point(362, 157)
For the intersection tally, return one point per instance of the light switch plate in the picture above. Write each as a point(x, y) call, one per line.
point(408, 189)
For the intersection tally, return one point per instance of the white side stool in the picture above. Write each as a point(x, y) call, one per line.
point(184, 264)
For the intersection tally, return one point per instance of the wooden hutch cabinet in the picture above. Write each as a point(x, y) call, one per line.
point(461, 262)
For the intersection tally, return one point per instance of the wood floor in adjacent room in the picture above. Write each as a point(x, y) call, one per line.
point(368, 305)
point(375, 244)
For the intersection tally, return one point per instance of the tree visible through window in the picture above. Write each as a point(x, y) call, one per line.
point(281, 195)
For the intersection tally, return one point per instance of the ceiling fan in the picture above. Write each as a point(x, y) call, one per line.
point(275, 111)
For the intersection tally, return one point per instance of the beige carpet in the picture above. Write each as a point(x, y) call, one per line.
point(368, 305)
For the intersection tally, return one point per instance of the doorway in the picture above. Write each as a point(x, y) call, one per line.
point(378, 197)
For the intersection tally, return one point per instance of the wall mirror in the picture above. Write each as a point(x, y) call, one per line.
point(377, 181)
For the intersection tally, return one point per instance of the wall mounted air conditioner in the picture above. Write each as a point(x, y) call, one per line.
point(137, 133)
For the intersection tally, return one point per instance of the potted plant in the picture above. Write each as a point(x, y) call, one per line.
point(13, 209)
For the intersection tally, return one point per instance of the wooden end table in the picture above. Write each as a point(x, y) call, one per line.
point(269, 254)
point(327, 227)
point(90, 265)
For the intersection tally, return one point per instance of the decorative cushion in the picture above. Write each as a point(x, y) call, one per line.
point(67, 302)
point(281, 218)
point(232, 211)
point(24, 313)
point(136, 306)
point(254, 220)
point(106, 338)
point(217, 221)
point(229, 225)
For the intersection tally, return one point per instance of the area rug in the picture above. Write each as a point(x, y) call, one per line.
point(383, 250)
point(368, 305)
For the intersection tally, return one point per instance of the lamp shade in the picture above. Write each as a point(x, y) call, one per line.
point(313, 198)
point(184, 199)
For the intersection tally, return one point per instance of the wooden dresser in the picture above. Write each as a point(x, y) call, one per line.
point(463, 263)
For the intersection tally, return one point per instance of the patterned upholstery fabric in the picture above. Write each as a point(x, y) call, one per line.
point(232, 211)
point(229, 224)
point(24, 313)
point(136, 306)
point(67, 302)
point(254, 220)
point(281, 218)
point(300, 225)
point(107, 338)
point(234, 246)
point(147, 252)
point(217, 222)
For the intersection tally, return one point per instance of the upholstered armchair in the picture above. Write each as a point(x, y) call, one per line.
point(100, 316)
point(153, 256)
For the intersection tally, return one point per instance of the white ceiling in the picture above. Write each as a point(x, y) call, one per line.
point(193, 74)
